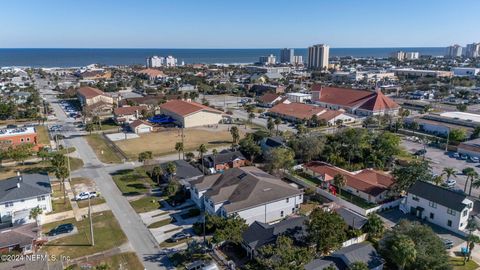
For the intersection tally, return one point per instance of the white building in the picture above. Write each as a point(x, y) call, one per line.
point(248, 192)
point(286, 56)
point(155, 61)
point(454, 51)
point(318, 56)
point(473, 50)
point(20, 194)
point(298, 97)
point(465, 71)
point(297, 60)
point(268, 60)
point(170, 61)
point(412, 55)
point(191, 114)
point(446, 208)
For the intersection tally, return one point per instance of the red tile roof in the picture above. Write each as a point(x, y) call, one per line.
point(303, 111)
point(139, 122)
point(90, 92)
point(354, 98)
point(154, 73)
point(184, 108)
point(369, 181)
point(128, 110)
point(268, 97)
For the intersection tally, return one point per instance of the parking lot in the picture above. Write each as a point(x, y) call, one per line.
point(439, 160)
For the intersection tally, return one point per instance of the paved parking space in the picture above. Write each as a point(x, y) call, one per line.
point(440, 160)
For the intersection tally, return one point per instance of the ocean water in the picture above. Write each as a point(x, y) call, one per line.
point(82, 57)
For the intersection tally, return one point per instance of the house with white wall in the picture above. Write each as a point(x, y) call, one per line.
point(248, 192)
point(444, 207)
point(20, 194)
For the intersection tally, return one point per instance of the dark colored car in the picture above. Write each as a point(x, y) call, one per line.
point(420, 152)
point(61, 229)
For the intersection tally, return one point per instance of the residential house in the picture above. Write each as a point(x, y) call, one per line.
point(354, 101)
point(343, 258)
point(248, 192)
point(444, 207)
point(224, 160)
point(191, 114)
point(185, 172)
point(90, 96)
point(153, 74)
point(140, 126)
point(260, 234)
point(20, 194)
point(20, 97)
point(371, 185)
point(20, 239)
point(260, 89)
point(300, 112)
point(128, 114)
point(352, 219)
point(270, 99)
point(187, 88)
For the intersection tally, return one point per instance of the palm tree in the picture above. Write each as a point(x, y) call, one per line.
point(179, 148)
point(449, 172)
point(34, 213)
point(251, 116)
point(214, 153)
point(470, 173)
point(474, 182)
point(270, 125)
point(97, 119)
point(277, 123)
point(235, 134)
point(437, 180)
point(171, 169)
point(157, 172)
point(340, 181)
point(202, 149)
point(89, 127)
point(403, 251)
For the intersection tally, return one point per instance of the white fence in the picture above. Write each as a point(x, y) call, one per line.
point(356, 240)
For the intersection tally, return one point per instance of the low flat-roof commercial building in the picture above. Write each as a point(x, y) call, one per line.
point(466, 71)
point(17, 136)
point(299, 112)
point(410, 72)
point(191, 114)
point(298, 97)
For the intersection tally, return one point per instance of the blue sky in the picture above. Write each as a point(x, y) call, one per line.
point(237, 24)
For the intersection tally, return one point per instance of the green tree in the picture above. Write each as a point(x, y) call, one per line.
point(157, 172)
point(249, 147)
point(307, 147)
point(280, 158)
point(230, 230)
point(43, 153)
point(457, 135)
point(449, 172)
point(89, 127)
point(144, 156)
point(475, 133)
point(471, 175)
point(189, 155)
point(251, 116)
point(277, 123)
point(283, 254)
point(326, 230)
point(180, 149)
point(301, 129)
point(21, 152)
point(406, 176)
point(172, 188)
point(202, 149)
point(358, 266)
point(35, 213)
point(462, 107)
point(171, 169)
point(374, 227)
point(403, 251)
point(339, 181)
point(270, 125)
point(235, 134)
point(61, 173)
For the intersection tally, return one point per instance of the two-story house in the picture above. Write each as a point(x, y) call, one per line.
point(249, 192)
point(21, 193)
point(224, 160)
point(446, 208)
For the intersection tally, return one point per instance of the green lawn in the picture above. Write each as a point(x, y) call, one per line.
point(457, 263)
point(356, 200)
point(146, 204)
point(94, 201)
point(107, 235)
point(128, 260)
point(133, 182)
point(104, 152)
point(172, 244)
point(160, 223)
point(75, 164)
point(109, 124)
point(308, 178)
point(57, 205)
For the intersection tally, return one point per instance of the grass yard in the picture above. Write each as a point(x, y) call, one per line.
point(161, 143)
point(42, 135)
point(104, 152)
point(109, 124)
point(75, 164)
point(356, 200)
point(57, 205)
point(167, 244)
point(9, 171)
point(127, 260)
point(160, 223)
point(107, 234)
point(146, 204)
point(94, 201)
point(457, 263)
point(133, 182)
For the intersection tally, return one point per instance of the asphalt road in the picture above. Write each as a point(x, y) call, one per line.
point(140, 238)
point(440, 160)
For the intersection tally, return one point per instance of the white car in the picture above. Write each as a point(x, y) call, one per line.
point(86, 195)
point(450, 183)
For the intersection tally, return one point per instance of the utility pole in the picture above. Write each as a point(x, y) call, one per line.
point(204, 237)
point(448, 137)
point(91, 223)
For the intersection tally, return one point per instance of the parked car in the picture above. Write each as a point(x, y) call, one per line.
point(202, 265)
point(61, 229)
point(179, 236)
point(420, 152)
point(474, 159)
point(448, 243)
point(456, 155)
point(450, 183)
point(86, 195)
point(463, 157)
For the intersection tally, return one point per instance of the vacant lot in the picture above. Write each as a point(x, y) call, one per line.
point(146, 204)
point(133, 181)
point(163, 142)
point(128, 260)
point(81, 184)
point(107, 234)
point(102, 150)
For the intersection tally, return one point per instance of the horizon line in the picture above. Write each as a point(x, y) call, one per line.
point(213, 48)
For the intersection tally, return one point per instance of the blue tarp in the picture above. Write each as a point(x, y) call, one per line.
point(161, 119)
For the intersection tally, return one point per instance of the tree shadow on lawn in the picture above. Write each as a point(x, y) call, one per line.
point(219, 142)
point(122, 172)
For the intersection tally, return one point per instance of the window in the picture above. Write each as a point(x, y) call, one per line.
point(41, 198)
point(28, 139)
point(449, 223)
point(281, 213)
point(293, 210)
point(288, 199)
point(465, 212)
point(9, 204)
point(451, 212)
point(432, 204)
point(22, 139)
point(415, 198)
point(432, 215)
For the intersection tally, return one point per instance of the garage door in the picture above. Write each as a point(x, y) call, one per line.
point(21, 217)
point(143, 129)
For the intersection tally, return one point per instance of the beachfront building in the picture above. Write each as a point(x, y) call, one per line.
point(454, 51)
point(268, 60)
point(287, 56)
point(354, 101)
point(191, 114)
point(318, 56)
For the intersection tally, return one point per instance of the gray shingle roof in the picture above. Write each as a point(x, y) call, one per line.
point(352, 219)
point(439, 195)
point(362, 252)
point(22, 236)
point(31, 185)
